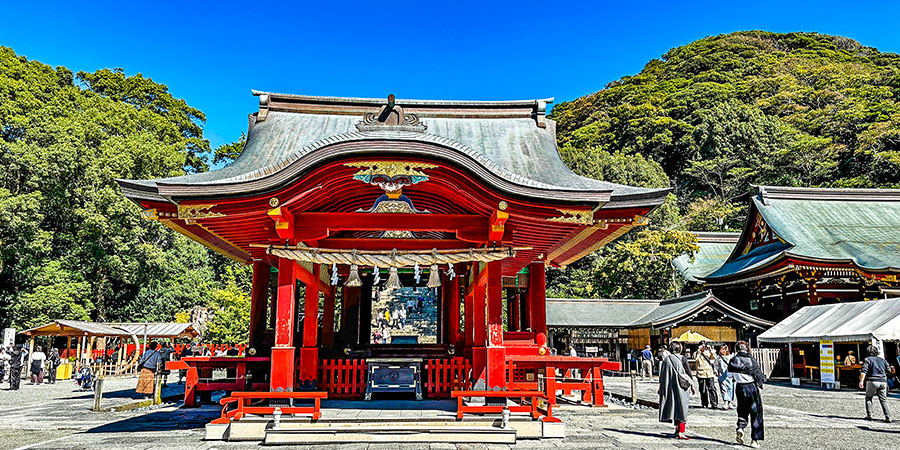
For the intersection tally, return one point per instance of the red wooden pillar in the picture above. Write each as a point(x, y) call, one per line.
point(495, 352)
point(309, 353)
point(536, 297)
point(453, 313)
point(259, 302)
point(468, 326)
point(328, 319)
point(479, 327)
point(282, 374)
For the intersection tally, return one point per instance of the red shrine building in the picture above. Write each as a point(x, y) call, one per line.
point(338, 202)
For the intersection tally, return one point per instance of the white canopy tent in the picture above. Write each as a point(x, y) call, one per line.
point(839, 322)
point(873, 321)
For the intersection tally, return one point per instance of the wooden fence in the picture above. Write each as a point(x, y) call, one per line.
point(770, 359)
point(343, 378)
point(443, 376)
point(346, 378)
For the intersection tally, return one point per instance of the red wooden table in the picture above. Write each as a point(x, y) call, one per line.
point(591, 383)
point(204, 365)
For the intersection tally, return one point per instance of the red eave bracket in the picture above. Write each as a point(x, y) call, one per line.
point(284, 222)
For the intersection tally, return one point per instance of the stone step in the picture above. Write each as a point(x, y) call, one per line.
point(253, 428)
point(396, 433)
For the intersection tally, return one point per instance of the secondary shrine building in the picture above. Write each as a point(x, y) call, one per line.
point(347, 206)
point(803, 247)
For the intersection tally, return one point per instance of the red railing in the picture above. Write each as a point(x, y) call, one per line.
point(346, 378)
point(443, 376)
point(343, 378)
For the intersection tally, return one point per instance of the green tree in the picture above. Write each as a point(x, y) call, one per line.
point(71, 246)
point(227, 153)
point(797, 109)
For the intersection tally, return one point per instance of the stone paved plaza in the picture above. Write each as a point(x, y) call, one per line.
point(55, 417)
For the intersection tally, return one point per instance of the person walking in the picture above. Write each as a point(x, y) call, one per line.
point(403, 317)
point(647, 363)
point(53, 362)
point(726, 383)
point(4, 362)
point(15, 367)
point(674, 384)
point(148, 364)
point(749, 379)
point(706, 376)
point(37, 366)
point(873, 376)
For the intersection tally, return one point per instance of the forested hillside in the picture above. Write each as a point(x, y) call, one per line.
point(720, 114)
point(71, 246)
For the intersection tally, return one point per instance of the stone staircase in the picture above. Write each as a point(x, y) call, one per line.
point(291, 430)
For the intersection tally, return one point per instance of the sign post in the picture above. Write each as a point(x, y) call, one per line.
point(826, 362)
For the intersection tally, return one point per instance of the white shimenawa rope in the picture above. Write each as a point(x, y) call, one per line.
point(392, 259)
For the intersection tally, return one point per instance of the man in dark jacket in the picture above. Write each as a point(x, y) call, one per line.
point(873, 377)
point(15, 367)
point(749, 379)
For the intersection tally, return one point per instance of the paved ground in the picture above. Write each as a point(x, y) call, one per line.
point(55, 417)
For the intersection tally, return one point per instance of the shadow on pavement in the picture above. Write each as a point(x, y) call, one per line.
point(671, 437)
point(179, 419)
point(878, 430)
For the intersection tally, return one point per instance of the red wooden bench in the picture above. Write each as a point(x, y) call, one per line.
point(204, 365)
point(531, 396)
point(243, 406)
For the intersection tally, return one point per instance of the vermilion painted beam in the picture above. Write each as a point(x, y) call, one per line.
point(399, 244)
point(370, 221)
point(307, 277)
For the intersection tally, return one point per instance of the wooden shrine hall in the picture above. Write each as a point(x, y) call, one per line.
point(338, 201)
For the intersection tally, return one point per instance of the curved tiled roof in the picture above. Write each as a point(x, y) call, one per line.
point(714, 249)
point(627, 313)
point(516, 147)
point(857, 227)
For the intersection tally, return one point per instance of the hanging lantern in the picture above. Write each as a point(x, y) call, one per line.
point(394, 279)
point(434, 277)
point(353, 279)
point(377, 275)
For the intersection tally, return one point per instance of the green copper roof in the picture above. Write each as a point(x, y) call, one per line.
point(574, 313)
point(714, 250)
point(853, 227)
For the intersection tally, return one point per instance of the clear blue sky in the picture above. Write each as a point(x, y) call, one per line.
point(213, 53)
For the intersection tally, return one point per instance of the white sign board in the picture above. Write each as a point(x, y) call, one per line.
point(826, 361)
point(9, 337)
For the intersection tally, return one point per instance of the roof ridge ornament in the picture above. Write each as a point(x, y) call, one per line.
point(391, 117)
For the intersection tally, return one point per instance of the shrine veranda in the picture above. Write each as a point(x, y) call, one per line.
point(335, 198)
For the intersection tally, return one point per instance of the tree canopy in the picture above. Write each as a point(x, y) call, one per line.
point(714, 117)
point(724, 112)
point(71, 246)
